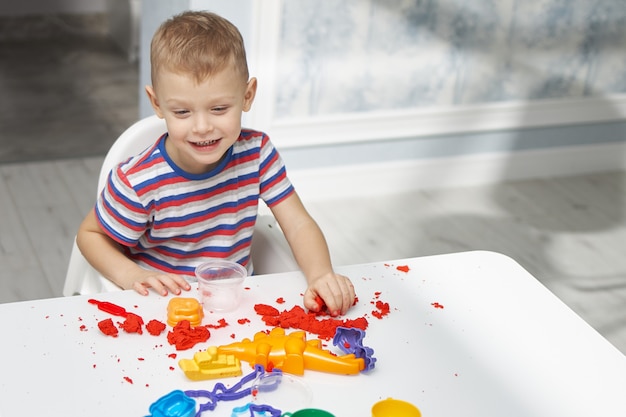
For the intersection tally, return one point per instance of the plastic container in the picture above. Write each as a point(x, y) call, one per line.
point(394, 408)
point(310, 412)
point(220, 283)
point(283, 391)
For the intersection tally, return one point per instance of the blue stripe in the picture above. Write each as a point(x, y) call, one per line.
point(186, 254)
point(280, 173)
point(252, 151)
point(267, 160)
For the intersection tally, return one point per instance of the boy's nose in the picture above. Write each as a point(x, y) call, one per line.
point(203, 124)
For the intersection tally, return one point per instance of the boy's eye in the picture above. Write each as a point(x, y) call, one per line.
point(180, 112)
point(219, 109)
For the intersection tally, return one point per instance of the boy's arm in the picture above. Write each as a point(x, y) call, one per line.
point(106, 256)
point(310, 250)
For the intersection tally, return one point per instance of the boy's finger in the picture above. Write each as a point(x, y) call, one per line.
point(140, 288)
point(157, 285)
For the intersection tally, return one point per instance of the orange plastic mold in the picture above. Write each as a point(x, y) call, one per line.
point(180, 308)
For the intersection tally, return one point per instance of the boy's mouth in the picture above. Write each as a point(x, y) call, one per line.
point(206, 143)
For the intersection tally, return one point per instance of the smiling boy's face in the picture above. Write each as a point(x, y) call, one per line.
point(203, 118)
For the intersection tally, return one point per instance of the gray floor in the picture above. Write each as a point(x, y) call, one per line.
point(570, 232)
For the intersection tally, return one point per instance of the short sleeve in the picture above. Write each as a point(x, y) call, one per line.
point(274, 183)
point(119, 211)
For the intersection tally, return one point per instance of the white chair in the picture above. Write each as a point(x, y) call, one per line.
point(270, 251)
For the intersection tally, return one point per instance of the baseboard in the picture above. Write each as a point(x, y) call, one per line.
point(468, 170)
point(412, 123)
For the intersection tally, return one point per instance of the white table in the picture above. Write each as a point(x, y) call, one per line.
point(503, 345)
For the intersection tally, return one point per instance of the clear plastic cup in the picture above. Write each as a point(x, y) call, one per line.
point(283, 391)
point(220, 283)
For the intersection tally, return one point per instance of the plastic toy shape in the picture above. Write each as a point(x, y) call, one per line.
point(255, 410)
point(108, 307)
point(180, 308)
point(183, 404)
point(208, 364)
point(221, 393)
point(292, 353)
point(350, 340)
point(174, 404)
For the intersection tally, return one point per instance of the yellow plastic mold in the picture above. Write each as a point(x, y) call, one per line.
point(209, 364)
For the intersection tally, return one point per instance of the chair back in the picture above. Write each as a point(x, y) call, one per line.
point(81, 278)
point(132, 141)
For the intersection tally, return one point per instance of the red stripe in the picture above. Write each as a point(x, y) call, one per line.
point(122, 220)
point(196, 239)
point(206, 216)
point(269, 164)
point(276, 180)
point(156, 185)
point(241, 159)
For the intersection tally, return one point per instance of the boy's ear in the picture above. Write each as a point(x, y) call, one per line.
point(154, 101)
point(248, 97)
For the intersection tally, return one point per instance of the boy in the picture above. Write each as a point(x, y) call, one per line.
point(194, 193)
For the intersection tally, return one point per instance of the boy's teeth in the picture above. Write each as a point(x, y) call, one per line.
point(206, 143)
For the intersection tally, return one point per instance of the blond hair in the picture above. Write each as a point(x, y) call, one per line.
point(197, 43)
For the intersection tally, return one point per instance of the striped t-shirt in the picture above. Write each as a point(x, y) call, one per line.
point(170, 220)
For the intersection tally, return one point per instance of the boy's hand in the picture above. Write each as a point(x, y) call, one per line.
point(160, 282)
point(335, 291)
